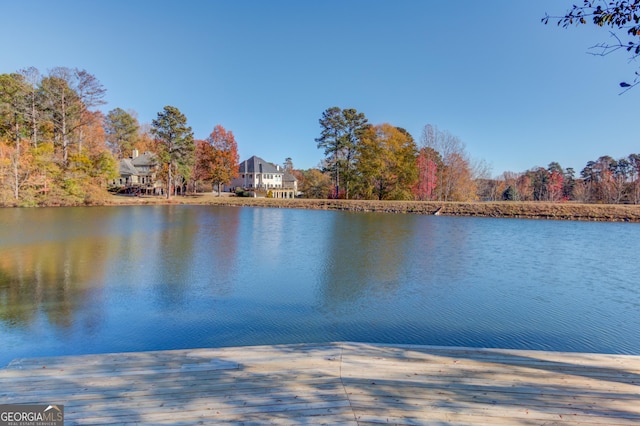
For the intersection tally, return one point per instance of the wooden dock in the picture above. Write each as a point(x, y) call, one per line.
point(334, 383)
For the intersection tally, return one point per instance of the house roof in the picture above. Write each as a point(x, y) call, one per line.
point(288, 177)
point(146, 159)
point(258, 165)
point(127, 168)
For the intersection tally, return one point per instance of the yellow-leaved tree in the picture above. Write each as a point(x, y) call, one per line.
point(386, 163)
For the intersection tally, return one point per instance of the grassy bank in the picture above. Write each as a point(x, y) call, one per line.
point(528, 210)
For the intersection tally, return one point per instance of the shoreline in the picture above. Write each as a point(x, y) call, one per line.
point(498, 209)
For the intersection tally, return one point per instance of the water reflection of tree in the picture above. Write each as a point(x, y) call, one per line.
point(173, 252)
point(376, 254)
point(368, 255)
point(440, 250)
point(217, 245)
point(60, 265)
point(196, 247)
point(53, 278)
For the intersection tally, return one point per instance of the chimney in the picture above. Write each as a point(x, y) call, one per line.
point(134, 154)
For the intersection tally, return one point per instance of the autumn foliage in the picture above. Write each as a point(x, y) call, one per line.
point(58, 148)
point(385, 163)
point(52, 147)
point(217, 158)
point(427, 168)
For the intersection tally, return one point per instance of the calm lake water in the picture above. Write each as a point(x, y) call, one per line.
point(111, 279)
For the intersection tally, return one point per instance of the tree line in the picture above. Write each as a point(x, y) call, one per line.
point(58, 148)
point(364, 161)
point(384, 162)
point(51, 139)
point(605, 181)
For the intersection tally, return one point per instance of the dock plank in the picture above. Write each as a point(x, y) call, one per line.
point(333, 383)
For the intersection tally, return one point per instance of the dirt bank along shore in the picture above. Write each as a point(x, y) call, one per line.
point(528, 210)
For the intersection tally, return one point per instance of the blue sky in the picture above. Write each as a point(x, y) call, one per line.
point(518, 93)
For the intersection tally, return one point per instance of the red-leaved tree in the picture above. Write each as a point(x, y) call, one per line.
point(425, 187)
point(555, 185)
point(217, 157)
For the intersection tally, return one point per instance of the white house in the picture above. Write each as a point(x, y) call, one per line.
point(256, 174)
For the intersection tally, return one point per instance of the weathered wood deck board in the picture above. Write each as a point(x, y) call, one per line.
point(336, 383)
